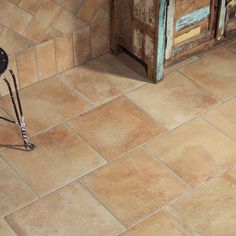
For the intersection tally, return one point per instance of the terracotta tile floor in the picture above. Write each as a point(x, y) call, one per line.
point(118, 156)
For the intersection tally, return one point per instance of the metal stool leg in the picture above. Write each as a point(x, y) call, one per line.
point(18, 111)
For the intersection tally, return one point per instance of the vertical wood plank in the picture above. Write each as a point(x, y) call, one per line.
point(170, 28)
point(161, 39)
point(221, 21)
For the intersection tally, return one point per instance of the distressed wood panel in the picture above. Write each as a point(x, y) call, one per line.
point(134, 28)
point(184, 7)
point(231, 17)
point(194, 22)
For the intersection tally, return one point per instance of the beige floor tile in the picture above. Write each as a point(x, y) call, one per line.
point(102, 79)
point(157, 225)
point(232, 47)
point(224, 118)
point(41, 21)
point(13, 42)
point(88, 9)
point(46, 59)
point(9, 133)
point(70, 211)
point(210, 210)
point(13, 192)
point(60, 156)
point(116, 127)
point(174, 100)
point(195, 151)
point(82, 44)
point(181, 64)
point(70, 5)
point(47, 103)
point(100, 15)
point(134, 186)
point(13, 17)
point(27, 69)
point(99, 37)
point(65, 22)
point(16, 2)
point(232, 172)
point(215, 72)
point(5, 230)
point(30, 6)
point(64, 52)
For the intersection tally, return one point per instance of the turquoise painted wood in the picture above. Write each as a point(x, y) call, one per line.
point(192, 18)
point(170, 29)
point(221, 26)
point(161, 46)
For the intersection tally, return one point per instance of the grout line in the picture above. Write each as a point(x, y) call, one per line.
point(20, 208)
point(200, 86)
point(182, 196)
point(103, 204)
point(218, 130)
point(71, 87)
point(158, 210)
point(156, 158)
point(74, 49)
point(72, 180)
point(9, 227)
point(36, 64)
point(175, 221)
point(216, 48)
point(74, 131)
point(194, 59)
point(22, 180)
point(55, 54)
point(91, 145)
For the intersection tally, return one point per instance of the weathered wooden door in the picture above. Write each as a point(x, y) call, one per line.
point(134, 28)
point(190, 23)
point(230, 24)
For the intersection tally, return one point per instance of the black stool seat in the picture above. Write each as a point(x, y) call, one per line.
point(3, 61)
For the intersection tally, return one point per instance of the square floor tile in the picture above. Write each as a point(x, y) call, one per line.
point(13, 192)
point(5, 230)
point(157, 225)
point(232, 172)
point(232, 47)
point(210, 210)
point(195, 151)
point(174, 100)
point(116, 127)
point(215, 72)
point(9, 133)
point(134, 186)
point(47, 103)
point(60, 156)
point(102, 79)
point(224, 118)
point(179, 64)
point(70, 211)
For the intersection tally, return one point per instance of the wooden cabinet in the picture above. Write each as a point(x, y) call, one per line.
point(230, 25)
point(160, 32)
point(134, 28)
point(190, 23)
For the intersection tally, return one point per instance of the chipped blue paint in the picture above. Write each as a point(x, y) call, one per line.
point(170, 29)
point(161, 40)
point(192, 18)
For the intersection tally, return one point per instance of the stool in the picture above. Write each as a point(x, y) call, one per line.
point(15, 99)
